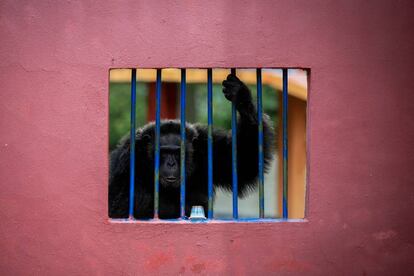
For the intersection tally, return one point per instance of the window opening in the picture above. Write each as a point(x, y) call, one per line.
point(117, 194)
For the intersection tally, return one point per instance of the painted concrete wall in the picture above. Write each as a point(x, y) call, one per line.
point(54, 61)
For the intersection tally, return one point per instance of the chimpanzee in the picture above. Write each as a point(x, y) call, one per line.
point(196, 161)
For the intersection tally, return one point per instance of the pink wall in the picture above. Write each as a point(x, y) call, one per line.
point(54, 61)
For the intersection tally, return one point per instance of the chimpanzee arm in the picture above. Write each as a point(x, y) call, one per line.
point(119, 176)
point(247, 141)
point(119, 181)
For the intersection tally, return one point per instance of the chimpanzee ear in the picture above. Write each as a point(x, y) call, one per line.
point(146, 138)
point(143, 139)
point(194, 139)
point(145, 145)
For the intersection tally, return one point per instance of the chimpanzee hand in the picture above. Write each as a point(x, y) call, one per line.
point(237, 92)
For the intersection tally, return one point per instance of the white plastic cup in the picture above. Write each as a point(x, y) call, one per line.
point(197, 213)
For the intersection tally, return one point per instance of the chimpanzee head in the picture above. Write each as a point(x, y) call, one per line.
point(170, 152)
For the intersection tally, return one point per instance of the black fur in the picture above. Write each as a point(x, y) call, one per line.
point(196, 160)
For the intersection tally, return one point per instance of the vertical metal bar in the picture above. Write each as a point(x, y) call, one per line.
point(210, 140)
point(157, 145)
point(260, 141)
point(285, 143)
point(132, 142)
point(182, 157)
point(234, 156)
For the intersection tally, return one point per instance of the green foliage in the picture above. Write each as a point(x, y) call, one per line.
point(120, 108)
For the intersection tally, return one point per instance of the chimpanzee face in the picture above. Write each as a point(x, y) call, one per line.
point(170, 160)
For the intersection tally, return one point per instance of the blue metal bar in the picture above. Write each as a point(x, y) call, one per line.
point(157, 145)
point(285, 143)
point(234, 155)
point(260, 141)
point(182, 157)
point(210, 141)
point(132, 142)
